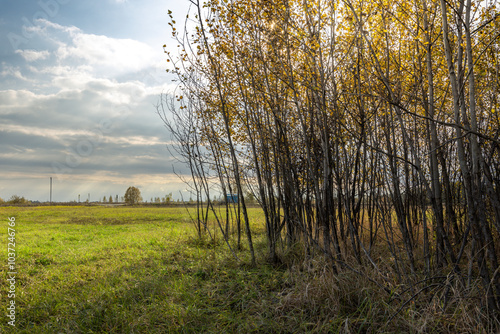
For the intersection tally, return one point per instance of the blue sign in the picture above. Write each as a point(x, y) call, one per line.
point(232, 198)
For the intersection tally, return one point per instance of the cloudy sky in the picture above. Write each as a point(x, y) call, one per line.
point(78, 83)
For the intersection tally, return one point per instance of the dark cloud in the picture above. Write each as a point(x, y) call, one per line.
point(15, 142)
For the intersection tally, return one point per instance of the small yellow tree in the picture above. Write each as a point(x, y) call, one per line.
point(133, 196)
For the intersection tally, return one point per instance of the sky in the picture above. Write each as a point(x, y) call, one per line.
point(79, 81)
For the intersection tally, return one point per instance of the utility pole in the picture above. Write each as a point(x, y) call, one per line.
point(51, 190)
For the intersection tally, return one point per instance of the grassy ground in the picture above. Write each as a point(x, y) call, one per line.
point(142, 270)
point(127, 270)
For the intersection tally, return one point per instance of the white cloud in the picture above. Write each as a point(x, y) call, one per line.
point(114, 56)
point(14, 72)
point(57, 134)
point(137, 140)
point(43, 26)
point(33, 55)
point(81, 58)
point(18, 98)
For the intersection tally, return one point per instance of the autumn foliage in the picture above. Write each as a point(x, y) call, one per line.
point(362, 127)
point(132, 196)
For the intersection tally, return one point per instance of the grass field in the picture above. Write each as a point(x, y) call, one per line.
point(128, 270)
point(142, 270)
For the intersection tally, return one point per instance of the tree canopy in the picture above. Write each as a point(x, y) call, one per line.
point(132, 196)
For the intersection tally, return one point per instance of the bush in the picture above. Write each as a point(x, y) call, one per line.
point(17, 200)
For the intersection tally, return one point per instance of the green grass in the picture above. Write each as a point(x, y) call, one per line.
point(128, 269)
point(143, 270)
